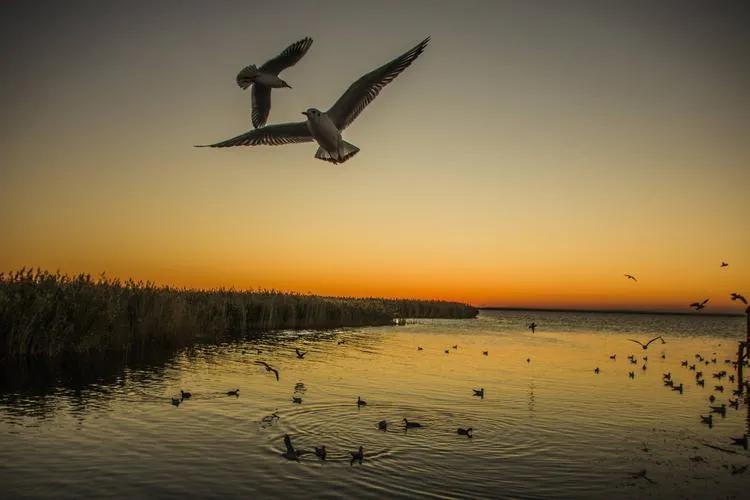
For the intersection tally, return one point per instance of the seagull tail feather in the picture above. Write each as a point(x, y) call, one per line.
point(346, 151)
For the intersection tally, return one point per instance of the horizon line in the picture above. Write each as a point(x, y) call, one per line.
point(609, 311)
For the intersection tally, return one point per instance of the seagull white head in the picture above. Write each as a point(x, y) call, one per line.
point(312, 114)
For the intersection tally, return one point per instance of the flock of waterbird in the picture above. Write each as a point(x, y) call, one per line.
point(323, 127)
point(698, 305)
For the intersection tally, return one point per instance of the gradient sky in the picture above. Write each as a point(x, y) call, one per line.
point(532, 155)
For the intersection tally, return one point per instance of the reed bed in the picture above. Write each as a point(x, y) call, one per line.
point(51, 314)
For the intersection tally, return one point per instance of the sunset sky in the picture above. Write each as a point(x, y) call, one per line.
point(534, 153)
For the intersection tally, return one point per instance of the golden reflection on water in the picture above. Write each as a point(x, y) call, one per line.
point(546, 427)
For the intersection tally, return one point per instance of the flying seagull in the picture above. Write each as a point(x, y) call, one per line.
point(737, 296)
point(699, 305)
point(325, 127)
point(269, 368)
point(645, 346)
point(532, 326)
point(723, 264)
point(630, 277)
point(266, 77)
point(300, 354)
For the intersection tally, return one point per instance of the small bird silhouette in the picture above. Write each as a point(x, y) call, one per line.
point(645, 346)
point(383, 425)
point(596, 370)
point(300, 354)
point(486, 353)
point(479, 392)
point(632, 375)
point(235, 392)
point(269, 368)
point(532, 326)
point(740, 441)
point(699, 305)
point(411, 425)
point(465, 432)
point(361, 402)
point(266, 77)
point(321, 452)
point(176, 401)
point(737, 296)
point(357, 456)
point(290, 453)
point(419, 349)
point(185, 395)
point(296, 399)
point(723, 264)
point(630, 277)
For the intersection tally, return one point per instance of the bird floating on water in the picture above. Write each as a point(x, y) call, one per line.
point(297, 399)
point(708, 420)
point(486, 353)
point(479, 392)
point(185, 395)
point(465, 432)
point(176, 401)
point(235, 392)
point(269, 368)
point(325, 127)
point(632, 375)
point(645, 346)
point(613, 356)
point(411, 425)
point(419, 348)
point(290, 453)
point(266, 77)
point(357, 455)
point(361, 402)
point(699, 305)
point(383, 425)
point(596, 370)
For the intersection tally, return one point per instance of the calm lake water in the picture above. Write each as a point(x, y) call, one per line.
point(546, 428)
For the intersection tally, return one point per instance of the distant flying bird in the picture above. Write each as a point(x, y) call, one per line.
point(645, 346)
point(699, 305)
point(737, 296)
point(532, 326)
point(630, 277)
point(723, 264)
point(269, 368)
point(266, 77)
point(479, 392)
point(325, 127)
point(300, 354)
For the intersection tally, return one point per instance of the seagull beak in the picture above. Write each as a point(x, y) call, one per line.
point(305, 113)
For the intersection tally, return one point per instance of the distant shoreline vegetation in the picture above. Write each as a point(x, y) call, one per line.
point(53, 314)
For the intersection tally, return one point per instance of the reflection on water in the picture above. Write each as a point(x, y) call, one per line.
point(549, 427)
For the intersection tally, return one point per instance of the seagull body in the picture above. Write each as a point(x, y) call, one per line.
point(235, 392)
point(723, 264)
point(737, 296)
point(269, 368)
point(630, 277)
point(645, 346)
point(532, 327)
point(465, 432)
point(266, 77)
point(361, 402)
point(411, 425)
point(699, 305)
point(325, 127)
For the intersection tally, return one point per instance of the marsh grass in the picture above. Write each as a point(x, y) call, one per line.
point(51, 314)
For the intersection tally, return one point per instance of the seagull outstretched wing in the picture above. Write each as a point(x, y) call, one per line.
point(272, 135)
point(366, 89)
point(288, 57)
